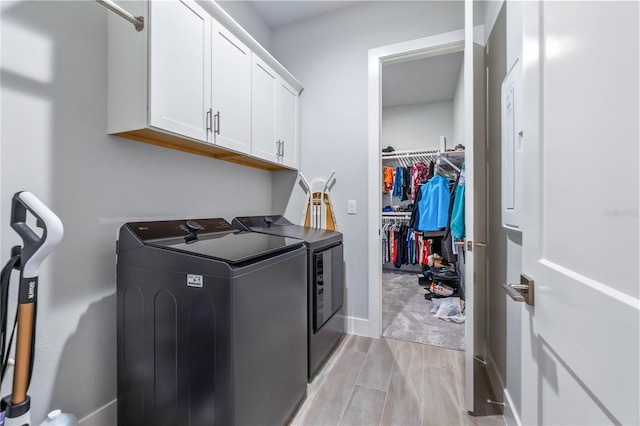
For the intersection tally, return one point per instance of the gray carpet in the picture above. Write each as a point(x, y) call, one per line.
point(406, 314)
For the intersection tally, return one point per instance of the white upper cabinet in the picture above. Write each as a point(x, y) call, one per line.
point(287, 117)
point(274, 112)
point(180, 64)
point(231, 90)
point(187, 81)
point(264, 92)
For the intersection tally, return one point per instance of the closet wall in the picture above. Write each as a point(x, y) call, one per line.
point(417, 126)
point(458, 111)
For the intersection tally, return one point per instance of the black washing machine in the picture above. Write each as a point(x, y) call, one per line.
point(325, 320)
point(211, 324)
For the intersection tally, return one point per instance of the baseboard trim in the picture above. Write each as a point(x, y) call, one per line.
point(511, 417)
point(494, 376)
point(359, 326)
point(104, 416)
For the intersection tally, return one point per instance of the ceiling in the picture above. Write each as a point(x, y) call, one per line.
point(421, 81)
point(412, 82)
point(278, 13)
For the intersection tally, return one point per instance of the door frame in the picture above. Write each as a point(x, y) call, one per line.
point(440, 44)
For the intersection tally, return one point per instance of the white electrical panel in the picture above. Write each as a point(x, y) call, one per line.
point(512, 148)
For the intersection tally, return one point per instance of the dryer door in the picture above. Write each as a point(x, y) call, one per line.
point(328, 285)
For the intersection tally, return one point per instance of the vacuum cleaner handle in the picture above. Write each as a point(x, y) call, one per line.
point(35, 248)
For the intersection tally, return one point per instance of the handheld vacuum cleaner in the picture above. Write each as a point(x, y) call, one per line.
point(27, 259)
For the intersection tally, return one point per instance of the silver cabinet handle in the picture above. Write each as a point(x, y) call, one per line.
point(282, 154)
point(217, 123)
point(208, 120)
point(522, 292)
point(278, 149)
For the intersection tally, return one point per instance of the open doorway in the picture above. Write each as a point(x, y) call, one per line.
point(422, 130)
point(474, 256)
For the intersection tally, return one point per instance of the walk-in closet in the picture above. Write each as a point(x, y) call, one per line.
point(423, 201)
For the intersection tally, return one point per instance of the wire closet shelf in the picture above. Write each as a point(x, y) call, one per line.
point(451, 160)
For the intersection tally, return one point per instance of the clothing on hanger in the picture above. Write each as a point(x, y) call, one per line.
point(448, 248)
point(457, 214)
point(419, 175)
point(432, 170)
point(406, 184)
point(402, 245)
point(397, 181)
point(385, 244)
point(433, 209)
point(387, 173)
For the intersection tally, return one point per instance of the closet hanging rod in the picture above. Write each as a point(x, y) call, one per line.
point(456, 168)
point(137, 21)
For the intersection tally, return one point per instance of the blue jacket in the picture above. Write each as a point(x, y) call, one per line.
point(433, 208)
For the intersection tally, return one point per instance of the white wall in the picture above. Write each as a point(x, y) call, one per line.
point(410, 127)
point(491, 11)
point(54, 143)
point(458, 111)
point(514, 32)
point(247, 17)
point(417, 126)
point(328, 54)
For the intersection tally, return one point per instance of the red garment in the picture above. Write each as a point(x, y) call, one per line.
point(392, 248)
point(426, 253)
point(395, 250)
point(419, 173)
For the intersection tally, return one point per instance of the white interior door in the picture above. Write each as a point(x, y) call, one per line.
point(580, 229)
point(475, 201)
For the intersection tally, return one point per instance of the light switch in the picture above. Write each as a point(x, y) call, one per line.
point(351, 207)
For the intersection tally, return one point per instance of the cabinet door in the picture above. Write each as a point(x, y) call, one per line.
point(264, 93)
point(288, 124)
point(231, 90)
point(180, 68)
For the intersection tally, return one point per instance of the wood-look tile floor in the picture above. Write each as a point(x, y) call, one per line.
point(383, 382)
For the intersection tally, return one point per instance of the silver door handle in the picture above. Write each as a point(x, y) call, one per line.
point(480, 244)
point(513, 293)
point(278, 144)
point(522, 292)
